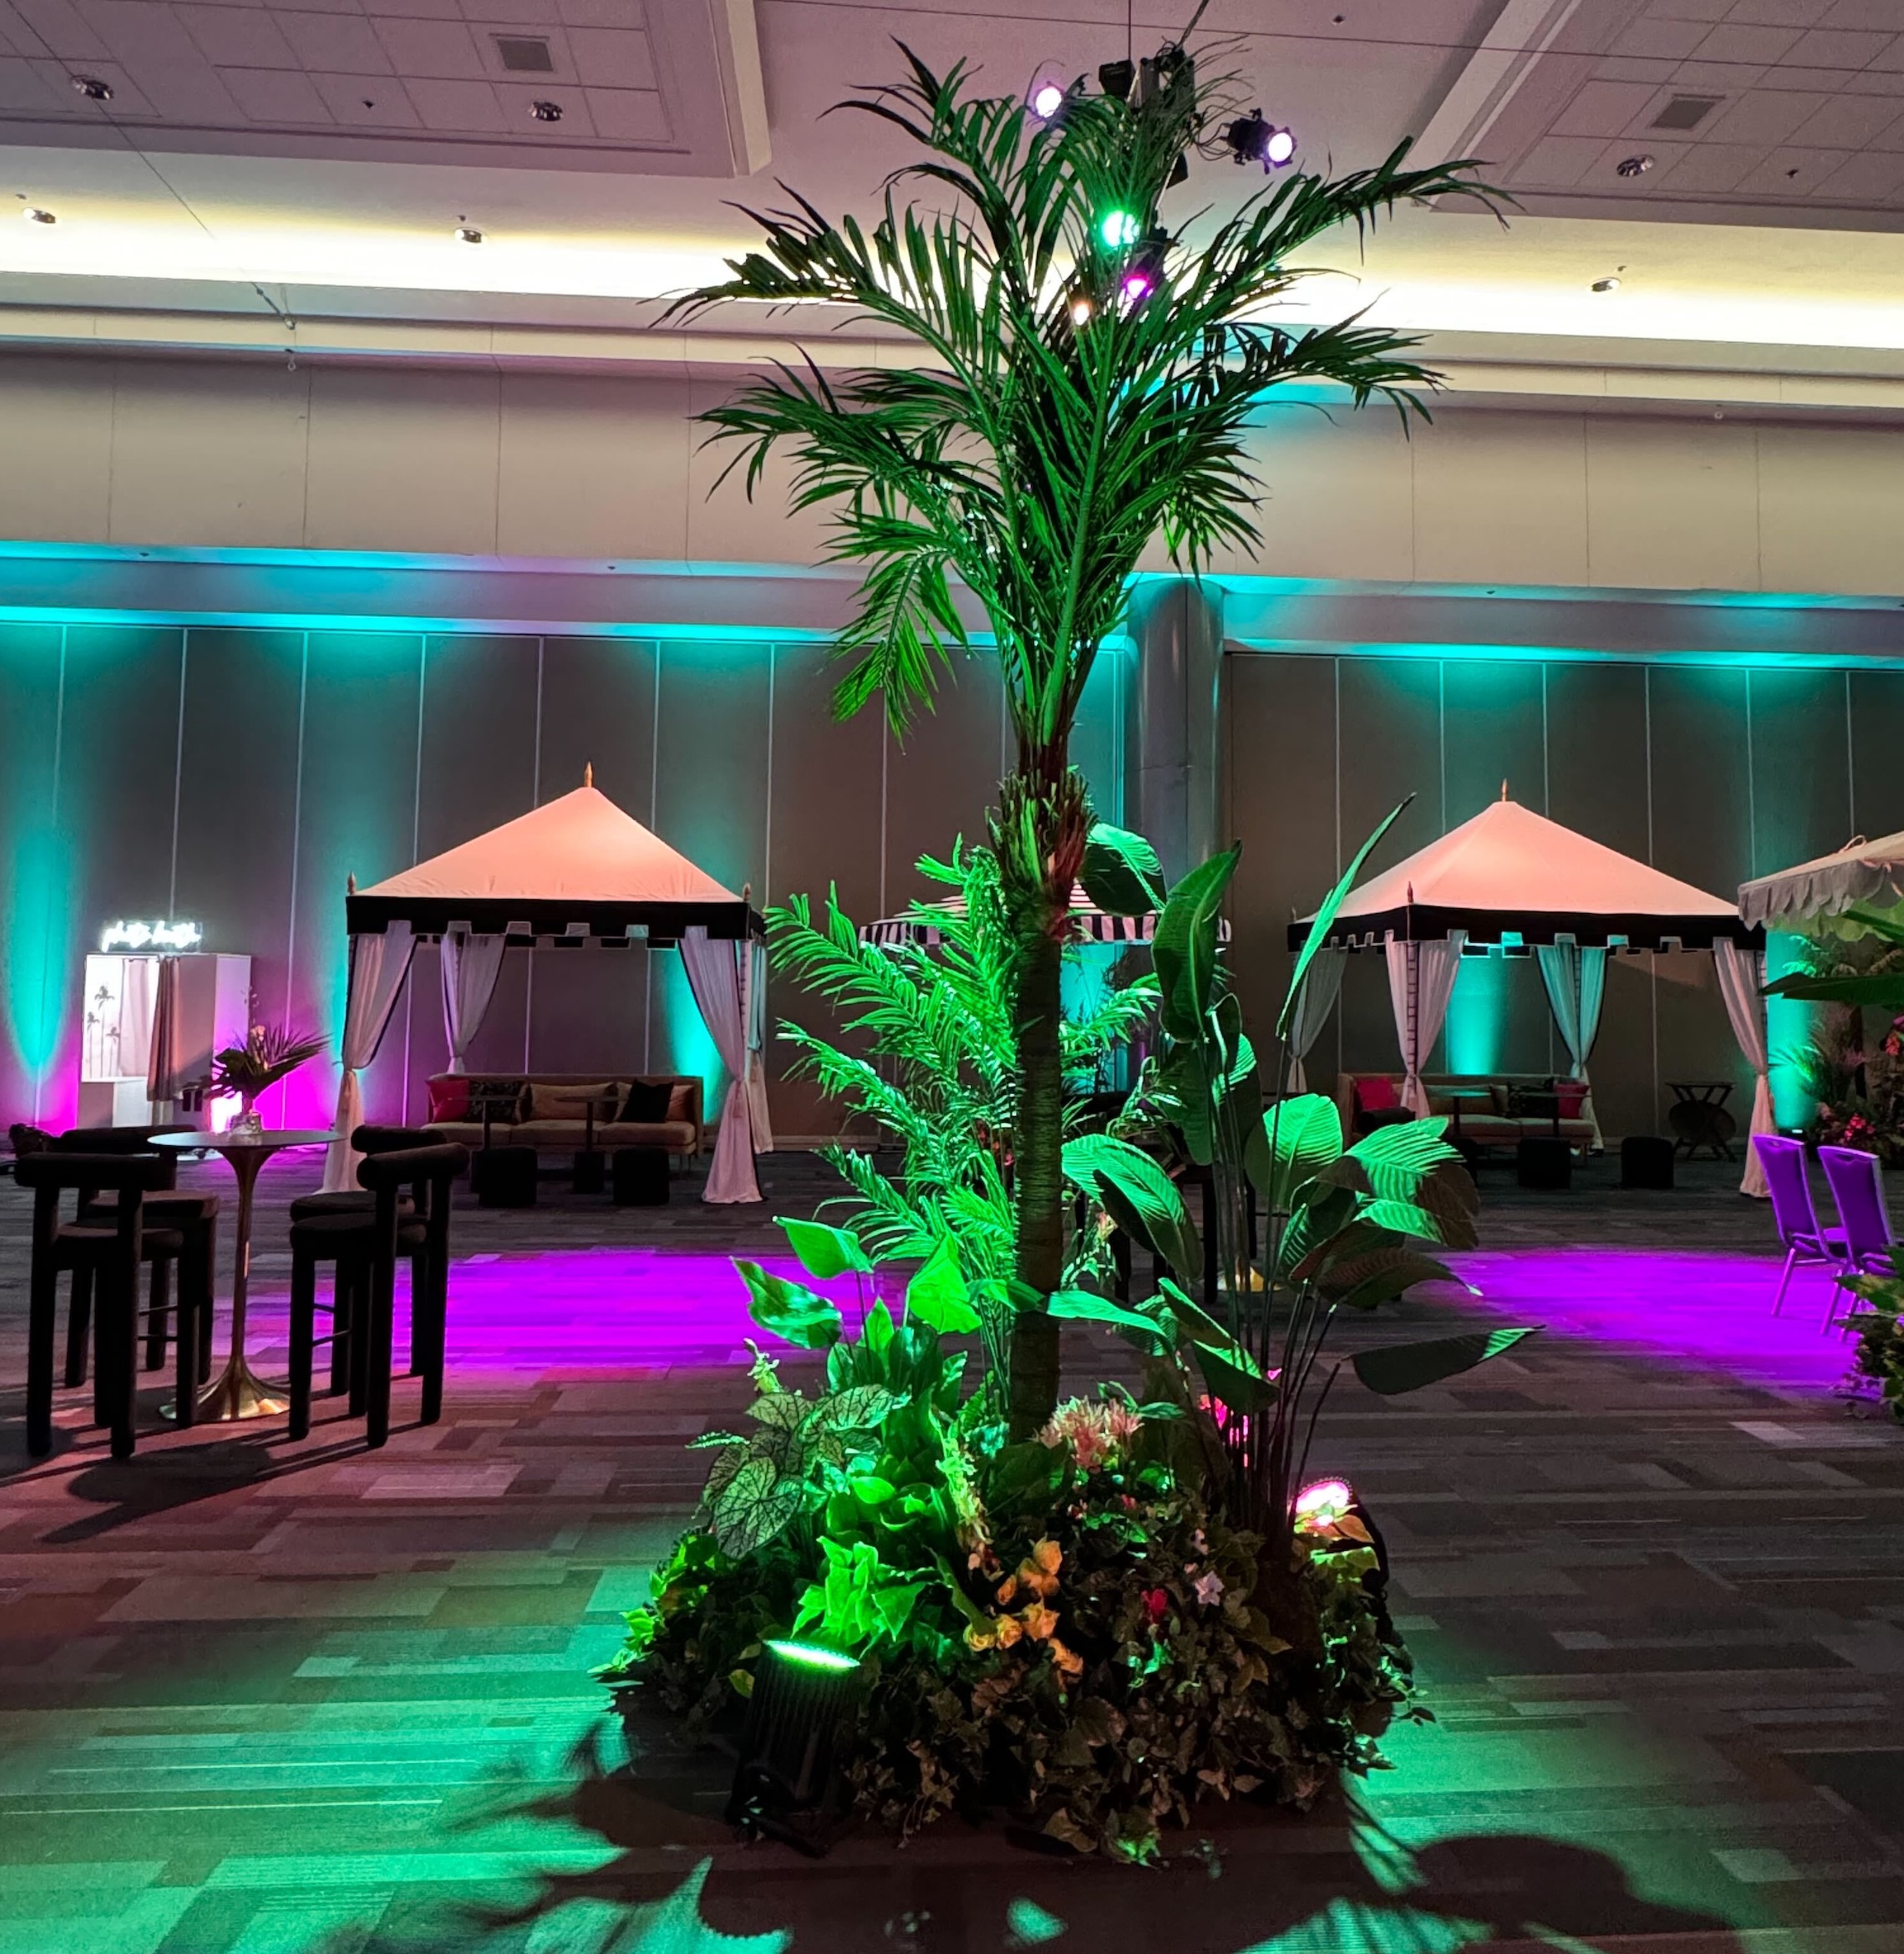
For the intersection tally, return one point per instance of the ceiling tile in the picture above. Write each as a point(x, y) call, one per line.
point(1826, 47)
point(1849, 122)
point(1717, 77)
point(237, 36)
point(335, 43)
point(1557, 162)
point(1665, 40)
point(1764, 117)
point(275, 95)
point(532, 14)
point(612, 57)
point(57, 27)
point(1874, 178)
point(366, 102)
point(435, 49)
point(518, 99)
point(1820, 81)
point(1892, 57)
point(23, 91)
point(1712, 167)
point(466, 107)
point(629, 114)
point(1604, 109)
point(1779, 13)
point(1729, 43)
point(1790, 172)
point(600, 13)
point(1877, 81)
point(1878, 14)
point(1692, 10)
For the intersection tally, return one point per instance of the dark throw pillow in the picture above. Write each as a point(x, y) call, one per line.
point(647, 1104)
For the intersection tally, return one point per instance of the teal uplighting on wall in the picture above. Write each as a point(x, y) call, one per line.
point(1474, 1037)
point(1790, 1025)
point(691, 1052)
point(42, 959)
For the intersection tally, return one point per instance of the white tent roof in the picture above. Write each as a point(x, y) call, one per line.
point(1871, 872)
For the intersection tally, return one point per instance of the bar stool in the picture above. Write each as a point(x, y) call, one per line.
point(165, 1207)
point(109, 1253)
point(363, 1248)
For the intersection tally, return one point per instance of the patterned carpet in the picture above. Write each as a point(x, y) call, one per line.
point(260, 1698)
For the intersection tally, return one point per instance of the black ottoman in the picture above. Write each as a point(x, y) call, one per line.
point(1645, 1161)
point(1544, 1161)
point(589, 1173)
point(503, 1177)
point(641, 1177)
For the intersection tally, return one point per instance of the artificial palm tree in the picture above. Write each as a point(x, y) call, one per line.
point(1083, 383)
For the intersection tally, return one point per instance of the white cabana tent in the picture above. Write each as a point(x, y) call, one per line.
point(1513, 878)
point(1815, 897)
point(572, 871)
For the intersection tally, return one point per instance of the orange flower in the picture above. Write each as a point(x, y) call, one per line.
point(1039, 1572)
point(1070, 1667)
point(1041, 1622)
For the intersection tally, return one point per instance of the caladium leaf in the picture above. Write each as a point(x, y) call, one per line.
point(1399, 1367)
point(789, 1310)
point(824, 1252)
point(755, 1507)
point(860, 1408)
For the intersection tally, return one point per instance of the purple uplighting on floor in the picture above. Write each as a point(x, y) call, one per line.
point(1702, 1309)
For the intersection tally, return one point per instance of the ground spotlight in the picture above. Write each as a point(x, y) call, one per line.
point(1251, 139)
point(788, 1784)
point(1324, 1501)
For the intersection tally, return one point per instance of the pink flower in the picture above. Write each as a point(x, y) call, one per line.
point(1095, 1433)
point(1156, 1604)
point(1209, 1589)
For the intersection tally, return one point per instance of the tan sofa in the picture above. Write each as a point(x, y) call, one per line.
point(1483, 1107)
point(558, 1128)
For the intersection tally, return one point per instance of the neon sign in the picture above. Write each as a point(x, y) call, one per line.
point(123, 936)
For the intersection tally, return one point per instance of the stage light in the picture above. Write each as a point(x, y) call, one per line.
point(786, 1785)
point(1323, 1502)
point(1119, 229)
point(1251, 139)
point(92, 89)
point(1083, 309)
point(467, 234)
point(34, 215)
point(1138, 285)
point(1605, 285)
point(545, 112)
point(1117, 78)
point(1047, 98)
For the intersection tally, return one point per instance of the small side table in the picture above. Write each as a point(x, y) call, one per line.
point(1699, 1118)
point(236, 1392)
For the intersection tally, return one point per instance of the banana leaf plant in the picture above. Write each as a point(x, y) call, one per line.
point(1883, 989)
point(1075, 377)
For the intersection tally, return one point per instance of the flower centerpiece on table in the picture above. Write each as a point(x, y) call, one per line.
point(246, 1071)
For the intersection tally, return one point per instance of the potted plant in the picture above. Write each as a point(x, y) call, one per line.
point(246, 1071)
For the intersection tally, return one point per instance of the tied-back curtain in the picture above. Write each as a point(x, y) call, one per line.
point(136, 1002)
point(1741, 971)
point(470, 966)
point(717, 976)
point(1575, 981)
point(1321, 985)
point(165, 1059)
point(756, 1047)
point(379, 965)
point(1420, 980)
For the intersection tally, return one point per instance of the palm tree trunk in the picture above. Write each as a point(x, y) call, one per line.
point(1038, 1178)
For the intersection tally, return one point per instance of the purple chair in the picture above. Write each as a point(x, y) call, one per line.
point(1856, 1184)
point(1806, 1243)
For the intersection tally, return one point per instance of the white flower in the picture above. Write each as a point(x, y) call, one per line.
point(1209, 1589)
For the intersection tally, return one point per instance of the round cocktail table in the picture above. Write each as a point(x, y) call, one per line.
point(236, 1392)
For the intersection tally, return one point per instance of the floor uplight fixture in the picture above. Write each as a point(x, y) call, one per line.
point(787, 1785)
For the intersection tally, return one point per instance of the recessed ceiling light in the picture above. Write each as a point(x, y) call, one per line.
point(1605, 285)
point(92, 89)
point(34, 215)
point(467, 234)
point(1633, 166)
point(547, 112)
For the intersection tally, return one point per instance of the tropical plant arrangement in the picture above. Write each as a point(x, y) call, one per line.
point(1878, 1363)
point(1081, 379)
point(1142, 1603)
point(1854, 1080)
point(246, 1071)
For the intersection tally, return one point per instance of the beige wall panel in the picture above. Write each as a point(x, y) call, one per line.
point(725, 526)
point(205, 455)
point(1335, 496)
point(55, 448)
point(1831, 510)
point(1500, 498)
point(403, 460)
point(1672, 505)
point(593, 467)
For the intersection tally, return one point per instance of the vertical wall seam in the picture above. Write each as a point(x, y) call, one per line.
point(1653, 963)
point(416, 849)
point(1751, 787)
point(297, 844)
point(46, 958)
point(534, 801)
point(1850, 762)
point(178, 770)
point(767, 855)
point(654, 822)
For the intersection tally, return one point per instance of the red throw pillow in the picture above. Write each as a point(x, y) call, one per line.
point(449, 1098)
point(1376, 1096)
point(1572, 1098)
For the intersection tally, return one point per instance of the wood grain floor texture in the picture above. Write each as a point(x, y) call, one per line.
point(261, 1698)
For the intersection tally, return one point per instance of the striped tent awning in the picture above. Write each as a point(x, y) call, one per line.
point(1094, 925)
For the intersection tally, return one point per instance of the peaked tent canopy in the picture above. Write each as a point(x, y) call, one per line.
point(1510, 872)
point(1814, 894)
point(574, 866)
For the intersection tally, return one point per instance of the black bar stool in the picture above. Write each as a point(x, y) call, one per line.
point(363, 1247)
point(108, 1252)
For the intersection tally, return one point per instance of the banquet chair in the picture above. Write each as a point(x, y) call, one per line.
point(106, 1252)
point(365, 1246)
point(1806, 1243)
point(1856, 1180)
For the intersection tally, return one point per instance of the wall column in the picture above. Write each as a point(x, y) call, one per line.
point(1178, 624)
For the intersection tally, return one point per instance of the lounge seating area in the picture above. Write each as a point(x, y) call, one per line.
point(557, 1113)
point(1489, 1113)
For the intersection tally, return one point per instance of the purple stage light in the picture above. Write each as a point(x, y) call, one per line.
point(1047, 98)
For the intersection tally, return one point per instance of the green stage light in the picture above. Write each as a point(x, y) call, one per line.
point(788, 1784)
point(1119, 229)
point(810, 1655)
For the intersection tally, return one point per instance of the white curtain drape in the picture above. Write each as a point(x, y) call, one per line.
point(756, 1047)
point(1576, 981)
point(1420, 980)
point(719, 973)
point(1741, 971)
point(470, 966)
point(165, 1058)
point(136, 1004)
point(379, 965)
point(1321, 985)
